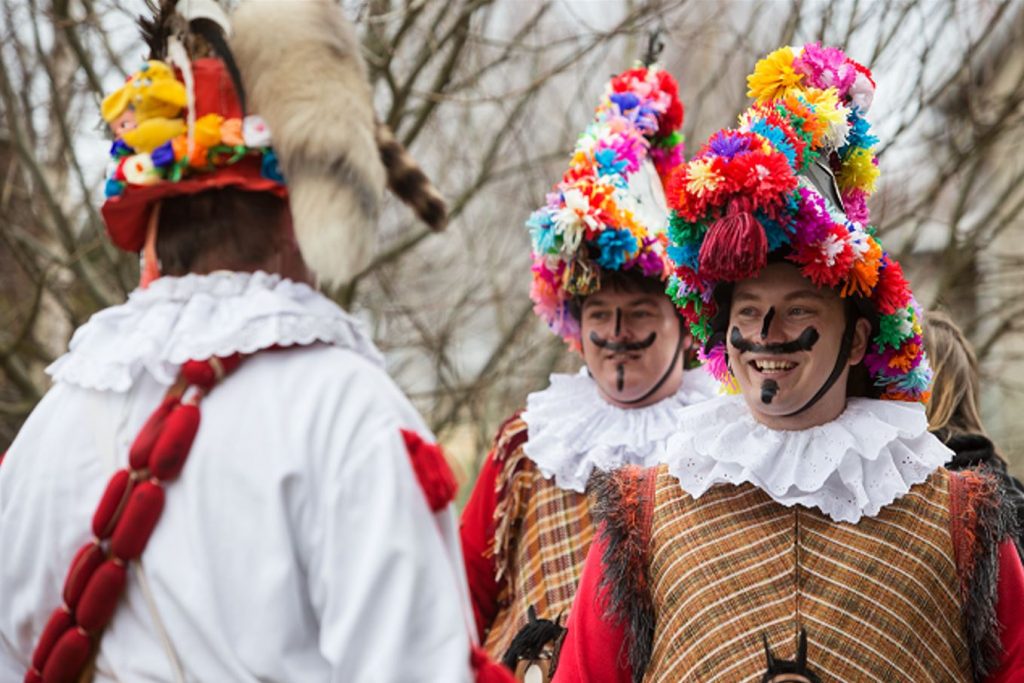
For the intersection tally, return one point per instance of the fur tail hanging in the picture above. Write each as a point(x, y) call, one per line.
point(304, 75)
point(408, 181)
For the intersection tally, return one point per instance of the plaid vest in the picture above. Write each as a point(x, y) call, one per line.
point(879, 599)
point(702, 585)
point(541, 540)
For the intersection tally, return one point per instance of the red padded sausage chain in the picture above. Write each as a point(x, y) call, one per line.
point(122, 524)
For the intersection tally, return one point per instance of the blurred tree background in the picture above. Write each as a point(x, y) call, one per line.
point(489, 95)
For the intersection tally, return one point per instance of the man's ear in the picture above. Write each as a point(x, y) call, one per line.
point(861, 337)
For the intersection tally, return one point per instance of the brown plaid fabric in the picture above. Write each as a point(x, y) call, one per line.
point(543, 534)
point(879, 599)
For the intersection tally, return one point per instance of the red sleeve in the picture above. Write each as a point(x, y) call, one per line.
point(476, 529)
point(1010, 612)
point(593, 644)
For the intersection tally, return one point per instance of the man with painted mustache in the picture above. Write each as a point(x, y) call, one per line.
point(599, 270)
point(804, 530)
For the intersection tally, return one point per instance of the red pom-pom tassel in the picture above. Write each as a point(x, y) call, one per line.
point(206, 373)
point(112, 504)
point(486, 671)
point(142, 447)
point(199, 373)
point(89, 557)
point(136, 525)
point(432, 470)
point(60, 622)
point(69, 657)
point(175, 442)
point(735, 247)
point(100, 597)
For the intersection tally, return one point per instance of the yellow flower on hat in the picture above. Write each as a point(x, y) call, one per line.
point(827, 107)
point(207, 130)
point(702, 178)
point(858, 171)
point(773, 76)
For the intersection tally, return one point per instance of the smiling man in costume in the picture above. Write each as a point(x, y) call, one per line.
point(224, 484)
point(599, 271)
point(807, 526)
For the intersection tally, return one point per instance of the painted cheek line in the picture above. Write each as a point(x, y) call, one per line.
point(805, 342)
point(609, 345)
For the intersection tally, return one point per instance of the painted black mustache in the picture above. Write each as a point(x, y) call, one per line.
point(805, 342)
point(622, 347)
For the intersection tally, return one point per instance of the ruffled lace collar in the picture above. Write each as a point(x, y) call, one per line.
point(849, 468)
point(572, 430)
point(198, 316)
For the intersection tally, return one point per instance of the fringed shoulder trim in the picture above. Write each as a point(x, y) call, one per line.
point(623, 506)
point(980, 518)
point(512, 487)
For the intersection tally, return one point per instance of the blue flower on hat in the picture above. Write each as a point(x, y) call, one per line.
point(113, 188)
point(120, 149)
point(859, 135)
point(541, 231)
point(776, 137)
point(615, 246)
point(624, 100)
point(686, 254)
point(608, 164)
point(163, 156)
point(269, 168)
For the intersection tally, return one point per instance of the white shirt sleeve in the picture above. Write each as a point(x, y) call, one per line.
point(380, 578)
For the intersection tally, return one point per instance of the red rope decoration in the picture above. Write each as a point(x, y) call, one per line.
point(123, 522)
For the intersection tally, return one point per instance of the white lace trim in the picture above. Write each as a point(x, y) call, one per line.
point(198, 316)
point(572, 429)
point(848, 468)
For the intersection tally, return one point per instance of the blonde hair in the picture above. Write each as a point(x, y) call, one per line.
point(954, 404)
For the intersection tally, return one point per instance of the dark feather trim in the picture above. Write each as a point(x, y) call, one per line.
point(213, 34)
point(981, 519)
point(157, 26)
point(530, 641)
point(622, 505)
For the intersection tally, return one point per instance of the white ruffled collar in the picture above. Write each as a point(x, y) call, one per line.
point(848, 468)
point(572, 430)
point(197, 316)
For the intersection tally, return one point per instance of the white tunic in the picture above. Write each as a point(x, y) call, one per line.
point(296, 545)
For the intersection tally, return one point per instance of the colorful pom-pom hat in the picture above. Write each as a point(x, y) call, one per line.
point(213, 107)
point(608, 212)
point(167, 146)
point(791, 182)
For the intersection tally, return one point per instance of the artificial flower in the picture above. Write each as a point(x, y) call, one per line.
point(825, 67)
point(255, 131)
point(139, 170)
point(163, 156)
point(616, 246)
point(862, 92)
point(231, 132)
point(859, 171)
point(269, 166)
point(773, 76)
